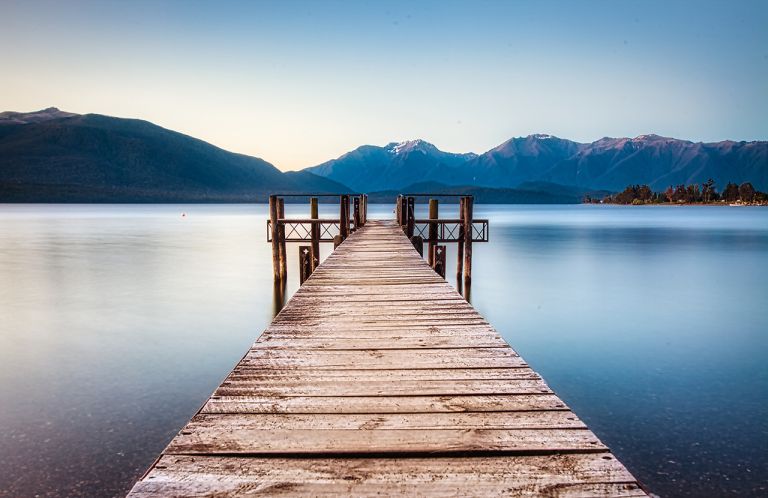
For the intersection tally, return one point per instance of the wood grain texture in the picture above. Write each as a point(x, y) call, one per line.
point(376, 355)
point(569, 475)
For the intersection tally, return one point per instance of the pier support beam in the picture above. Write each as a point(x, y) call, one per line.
point(281, 241)
point(460, 245)
point(344, 217)
point(411, 217)
point(356, 220)
point(404, 211)
point(275, 235)
point(315, 233)
point(438, 260)
point(305, 263)
point(468, 201)
point(418, 244)
point(433, 215)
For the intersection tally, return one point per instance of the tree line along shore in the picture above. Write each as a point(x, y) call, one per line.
point(705, 193)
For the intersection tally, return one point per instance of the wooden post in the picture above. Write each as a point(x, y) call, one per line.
point(438, 260)
point(399, 210)
point(278, 296)
point(356, 213)
point(275, 233)
point(468, 241)
point(281, 234)
point(344, 217)
point(315, 233)
point(305, 263)
point(433, 210)
point(347, 211)
point(411, 216)
point(418, 243)
point(403, 211)
point(460, 245)
point(337, 240)
point(365, 209)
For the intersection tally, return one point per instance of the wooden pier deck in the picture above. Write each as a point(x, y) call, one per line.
point(378, 378)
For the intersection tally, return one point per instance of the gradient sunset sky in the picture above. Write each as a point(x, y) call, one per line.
point(300, 82)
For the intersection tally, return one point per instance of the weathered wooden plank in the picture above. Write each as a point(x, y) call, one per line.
point(388, 375)
point(350, 343)
point(411, 355)
point(386, 323)
point(562, 476)
point(384, 359)
point(382, 404)
point(228, 439)
point(555, 419)
point(330, 313)
point(379, 329)
point(244, 386)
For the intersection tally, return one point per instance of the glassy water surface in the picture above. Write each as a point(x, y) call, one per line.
point(117, 322)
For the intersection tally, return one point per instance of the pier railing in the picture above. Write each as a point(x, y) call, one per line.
point(463, 231)
point(448, 230)
point(301, 230)
point(353, 214)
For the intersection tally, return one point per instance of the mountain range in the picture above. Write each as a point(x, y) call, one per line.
point(56, 156)
point(53, 156)
point(606, 164)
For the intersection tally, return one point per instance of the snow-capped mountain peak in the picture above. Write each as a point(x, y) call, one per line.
point(411, 145)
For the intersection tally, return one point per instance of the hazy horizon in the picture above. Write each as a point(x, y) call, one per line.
point(299, 83)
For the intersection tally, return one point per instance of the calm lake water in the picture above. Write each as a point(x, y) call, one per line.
point(117, 322)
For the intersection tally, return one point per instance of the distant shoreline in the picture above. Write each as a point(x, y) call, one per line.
point(381, 203)
point(694, 194)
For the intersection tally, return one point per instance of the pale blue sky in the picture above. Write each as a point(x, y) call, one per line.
point(298, 83)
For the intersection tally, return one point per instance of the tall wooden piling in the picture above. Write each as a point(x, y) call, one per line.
point(438, 260)
point(403, 211)
point(409, 222)
point(418, 244)
point(281, 236)
point(460, 245)
point(399, 210)
point(356, 220)
point(344, 217)
point(468, 201)
point(433, 215)
point(275, 234)
point(278, 296)
point(305, 263)
point(315, 233)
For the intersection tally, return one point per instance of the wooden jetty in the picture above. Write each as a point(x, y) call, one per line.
point(378, 378)
point(464, 231)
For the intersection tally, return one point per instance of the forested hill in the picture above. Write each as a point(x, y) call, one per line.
point(52, 156)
